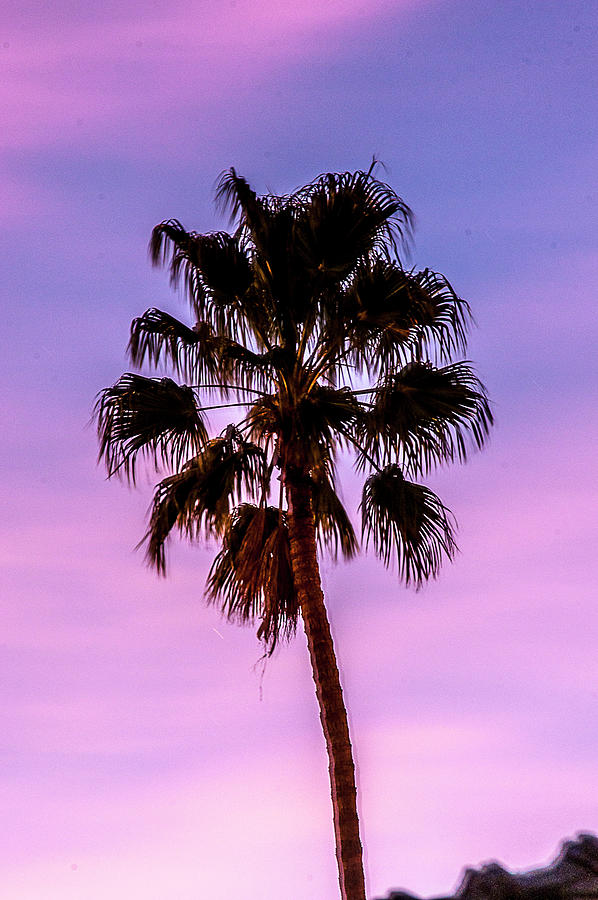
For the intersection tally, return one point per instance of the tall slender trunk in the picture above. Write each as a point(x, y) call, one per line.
point(333, 715)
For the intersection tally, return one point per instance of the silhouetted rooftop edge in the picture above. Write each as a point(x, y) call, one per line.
point(572, 875)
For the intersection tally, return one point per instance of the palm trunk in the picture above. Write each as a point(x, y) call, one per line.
point(333, 715)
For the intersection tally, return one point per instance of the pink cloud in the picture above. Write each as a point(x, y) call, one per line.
point(72, 84)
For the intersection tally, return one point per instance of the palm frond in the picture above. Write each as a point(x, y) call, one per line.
point(216, 269)
point(243, 366)
point(333, 525)
point(198, 352)
point(268, 223)
point(390, 316)
point(202, 495)
point(251, 578)
point(265, 419)
point(290, 291)
point(233, 194)
point(445, 318)
point(168, 238)
point(158, 338)
point(315, 426)
point(346, 216)
point(174, 503)
point(407, 519)
point(377, 314)
point(223, 266)
point(427, 415)
point(321, 420)
point(154, 417)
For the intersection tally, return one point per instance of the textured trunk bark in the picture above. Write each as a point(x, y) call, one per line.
point(333, 715)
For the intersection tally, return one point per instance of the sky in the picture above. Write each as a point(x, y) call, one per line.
point(146, 751)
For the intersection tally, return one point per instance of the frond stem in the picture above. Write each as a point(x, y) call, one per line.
point(226, 405)
point(330, 357)
point(229, 387)
point(361, 450)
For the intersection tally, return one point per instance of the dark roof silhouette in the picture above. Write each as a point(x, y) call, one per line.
point(572, 876)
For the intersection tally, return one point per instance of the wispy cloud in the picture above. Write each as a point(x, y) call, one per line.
point(68, 85)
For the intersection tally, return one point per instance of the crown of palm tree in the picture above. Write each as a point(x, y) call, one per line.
point(306, 321)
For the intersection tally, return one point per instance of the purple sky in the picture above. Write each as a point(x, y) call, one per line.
point(144, 754)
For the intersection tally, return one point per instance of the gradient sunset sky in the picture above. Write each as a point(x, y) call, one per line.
point(146, 752)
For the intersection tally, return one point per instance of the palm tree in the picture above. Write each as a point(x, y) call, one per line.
point(307, 322)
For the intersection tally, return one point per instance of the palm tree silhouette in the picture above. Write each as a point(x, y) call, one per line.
point(306, 320)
